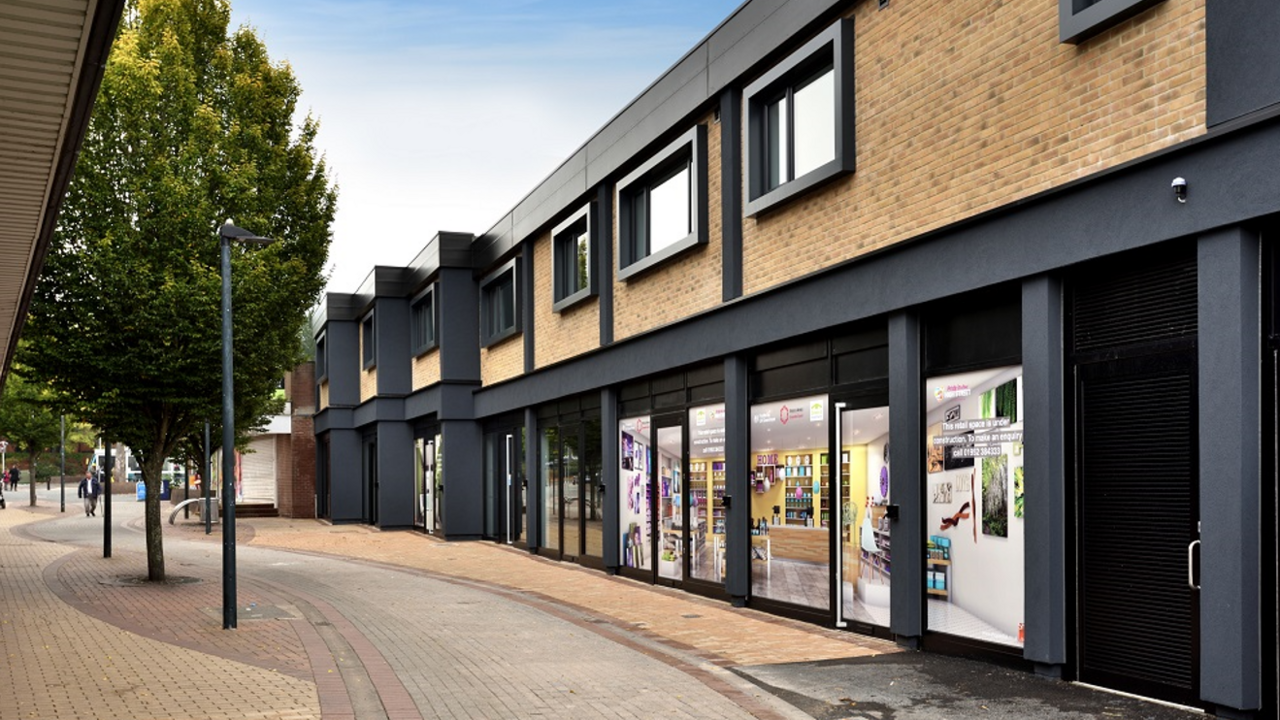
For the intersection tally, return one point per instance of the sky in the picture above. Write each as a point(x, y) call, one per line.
point(443, 114)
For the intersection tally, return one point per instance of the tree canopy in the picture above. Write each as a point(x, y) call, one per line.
point(194, 125)
point(29, 422)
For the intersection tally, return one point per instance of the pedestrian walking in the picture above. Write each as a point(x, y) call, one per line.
point(13, 477)
point(90, 488)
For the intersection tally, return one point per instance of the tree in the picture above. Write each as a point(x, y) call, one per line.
point(29, 421)
point(193, 126)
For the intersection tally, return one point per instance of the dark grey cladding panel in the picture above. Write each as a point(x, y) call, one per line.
point(1242, 58)
point(342, 307)
point(563, 188)
point(760, 33)
point(422, 403)
point(457, 401)
point(391, 281)
point(490, 247)
point(1231, 180)
point(334, 419)
point(446, 249)
point(379, 410)
point(663, 105)
point(455, 249)
point(650, 133)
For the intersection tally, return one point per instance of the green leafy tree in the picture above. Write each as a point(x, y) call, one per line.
point(194, 125)
point(30, 422)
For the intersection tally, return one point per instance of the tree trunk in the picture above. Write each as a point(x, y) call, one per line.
point(32, 474)
point(152, 475)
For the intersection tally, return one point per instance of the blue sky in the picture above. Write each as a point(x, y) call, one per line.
point(442, 114)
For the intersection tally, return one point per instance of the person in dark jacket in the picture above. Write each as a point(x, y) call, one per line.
point(90, 488)
point(13, 477)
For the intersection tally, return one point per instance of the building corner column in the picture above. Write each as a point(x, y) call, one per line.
point(1229, 358)
point(1044, 458)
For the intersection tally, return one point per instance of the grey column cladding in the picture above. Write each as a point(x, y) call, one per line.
point(737, 450)
point(906, 453)
point(346, 487)
point(394, 357)
point(463, 444)
point(1230, 361)
point(342, 340)
point(1044, 458)
point(609, 475)
point(459, 333)
point(532, 481)
point(395, 475)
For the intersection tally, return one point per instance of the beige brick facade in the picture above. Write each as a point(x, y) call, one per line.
point(559, 335)
point(426, 369)
point(502, 361)
point(964, 107)
point(687, 285)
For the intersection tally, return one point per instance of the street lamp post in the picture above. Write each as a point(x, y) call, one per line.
point(227, 234)
point(62, 464)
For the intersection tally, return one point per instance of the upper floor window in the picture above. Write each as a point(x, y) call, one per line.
point(1079, 20)
point(800, 129)
point(662, 209)
point(367, 341)
point(572, 252)
point(322, 357)
point(499, 304)
point(422, 330)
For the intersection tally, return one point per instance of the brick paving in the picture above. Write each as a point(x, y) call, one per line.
point(730, 636)
point(348, 622)
point(63, 663)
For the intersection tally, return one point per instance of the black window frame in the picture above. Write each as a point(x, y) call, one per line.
point(422, 345)
point(689, 151)
point(567, 233)
point(368, 341)
point(490, 335)
point(1079, 20)
point(832, 48)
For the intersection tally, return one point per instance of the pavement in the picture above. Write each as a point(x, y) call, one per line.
point(347, 622)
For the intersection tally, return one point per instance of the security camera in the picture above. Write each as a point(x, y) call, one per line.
point(1180, 189)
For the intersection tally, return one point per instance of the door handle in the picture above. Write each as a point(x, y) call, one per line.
point(1191, 565)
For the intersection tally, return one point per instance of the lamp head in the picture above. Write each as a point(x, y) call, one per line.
point(230, 232)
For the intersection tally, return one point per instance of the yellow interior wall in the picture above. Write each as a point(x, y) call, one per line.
point(857, 490)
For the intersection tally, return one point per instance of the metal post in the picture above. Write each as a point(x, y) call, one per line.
point(226, 234)
point(109, 461)
point(228, 451)
point(208, 510)
point(62, 471)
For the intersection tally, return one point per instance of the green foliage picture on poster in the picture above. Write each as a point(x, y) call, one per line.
point(995, 496)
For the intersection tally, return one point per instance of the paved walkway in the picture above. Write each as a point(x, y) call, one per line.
point(348, 622)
